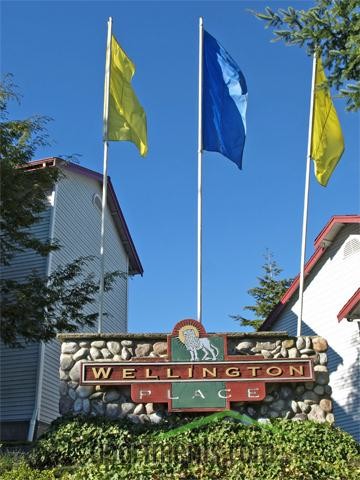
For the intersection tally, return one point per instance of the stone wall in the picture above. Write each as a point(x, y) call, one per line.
point(296, 401)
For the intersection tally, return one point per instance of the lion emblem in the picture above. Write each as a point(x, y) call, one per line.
point(189, 336)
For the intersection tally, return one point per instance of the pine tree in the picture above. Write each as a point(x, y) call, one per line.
point(267, 294)
point(332, 27)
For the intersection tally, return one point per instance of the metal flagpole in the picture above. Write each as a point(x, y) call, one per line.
point(199, 225)
point(105, 177)
point(306, 200)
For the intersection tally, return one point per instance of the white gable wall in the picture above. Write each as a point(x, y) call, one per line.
point(329, 286)
point(77, 228)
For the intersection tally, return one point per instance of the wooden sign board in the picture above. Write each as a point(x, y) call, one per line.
point(198, 374)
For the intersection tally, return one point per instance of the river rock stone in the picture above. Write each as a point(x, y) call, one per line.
point(74, 373)
point(266, 353)
point(65, 405)
point(63, 388)
point(244, 347)
point(63, 375)
point(310, 397)
point(114, 347)
point(322, 358)
point(293, 352)
point(69, 347)
point(304, 407)
point(288, 343)
point(66, 361)
point(328, 389)
point(316, 414)
point(106, 353)
point(113, 410)
point(80, 354)
point(149, 407)
point(278, 405)
point(274, 414)
point(308, 343)
point(294, 406)
point(84, 344)
point(300, 343)
point(127, 407)
point(98, 407)
point(263, 346)
point(96, 395)
point(326, 405)
point(72, 393)
point(125, 354)
point(299, 417)
point(160, 348)
point(139, 409)
point(319, 344)
point(330, 418)
point(78, 405)
point(322, 378)
point(84, 391)
point(155, 417)
point(98, 344)
point(319, 390)
point(320, 368)
point(134, 418)
point(307, 351)
point(299, 389)
point(143, 350)
point(286, 392)
point(111, 396)
point(95, 353)
point(86, 406)
point(284, 352)
point(276, 350)
point(126, 343)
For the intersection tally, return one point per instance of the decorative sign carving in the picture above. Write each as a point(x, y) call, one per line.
point(197, 374)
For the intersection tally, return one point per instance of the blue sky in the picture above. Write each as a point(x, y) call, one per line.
point(56, 51)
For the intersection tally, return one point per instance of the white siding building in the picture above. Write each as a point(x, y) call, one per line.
point(29, 396)
point(331, 310)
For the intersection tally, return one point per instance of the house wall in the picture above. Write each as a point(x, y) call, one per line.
point(19, 367)
point(328, 287)
point(77, 229)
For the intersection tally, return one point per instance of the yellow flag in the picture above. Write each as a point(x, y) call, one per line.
point(327, 142)
point(127, 119)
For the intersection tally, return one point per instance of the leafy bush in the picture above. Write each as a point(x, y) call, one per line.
point(10, 469)
point(107, 450)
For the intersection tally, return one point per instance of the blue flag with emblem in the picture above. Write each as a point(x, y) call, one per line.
point(224, 102)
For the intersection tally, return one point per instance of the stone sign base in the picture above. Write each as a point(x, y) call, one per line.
point(291, 400)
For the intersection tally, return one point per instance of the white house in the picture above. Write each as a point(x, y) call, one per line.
point(331, 310)
point(29, 396)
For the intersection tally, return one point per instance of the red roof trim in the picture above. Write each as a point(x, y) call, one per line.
point(320, 247)
point(349, 306)
point(134, 260)
point(332, 222)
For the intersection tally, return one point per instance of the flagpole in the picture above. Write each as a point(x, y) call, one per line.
point(306, 200)
point(199, 196)
point(105, 176)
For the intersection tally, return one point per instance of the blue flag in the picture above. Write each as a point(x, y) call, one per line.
point(224, 102)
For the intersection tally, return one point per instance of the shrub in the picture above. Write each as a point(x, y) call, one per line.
point(22, 471)
point(108, 450)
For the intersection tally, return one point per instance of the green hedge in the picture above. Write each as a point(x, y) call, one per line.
point(101, 449)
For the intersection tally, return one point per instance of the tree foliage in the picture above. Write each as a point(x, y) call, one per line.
point(332, 28)
point(267, 294)
point(38, 307)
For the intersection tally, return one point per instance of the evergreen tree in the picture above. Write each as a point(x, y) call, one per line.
point(333, 28)
point(267, 294)
point(37, 308)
